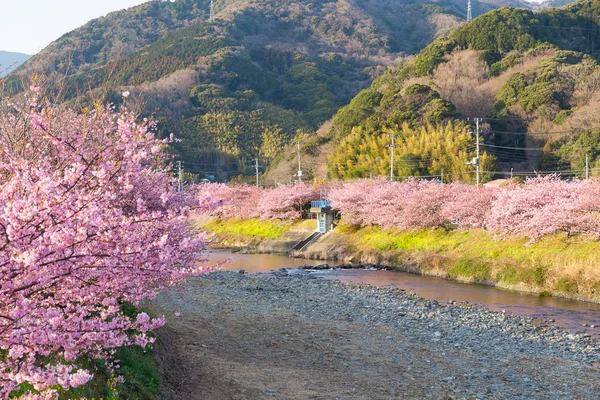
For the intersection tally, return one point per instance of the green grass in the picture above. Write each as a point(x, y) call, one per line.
point(479, 244)
point(136, 365)
point(512, 275)
point(557, 264)
point(565, 285)
point(473, 269)
point(249, 227)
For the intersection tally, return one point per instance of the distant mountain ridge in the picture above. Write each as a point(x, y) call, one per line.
point(259, 77)
point(122, 32)
point(10, 61)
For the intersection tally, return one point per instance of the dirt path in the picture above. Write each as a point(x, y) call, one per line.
point(249, 338)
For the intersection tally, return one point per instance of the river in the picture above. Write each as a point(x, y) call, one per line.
point(576, 316)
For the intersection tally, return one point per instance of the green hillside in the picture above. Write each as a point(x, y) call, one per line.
point(533, 77)
point(248, 83)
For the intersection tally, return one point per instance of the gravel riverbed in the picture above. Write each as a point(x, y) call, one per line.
point(291, 335)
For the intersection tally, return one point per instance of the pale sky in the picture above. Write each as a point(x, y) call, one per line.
point(27, 26)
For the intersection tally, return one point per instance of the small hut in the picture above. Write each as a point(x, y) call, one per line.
point(322, 209)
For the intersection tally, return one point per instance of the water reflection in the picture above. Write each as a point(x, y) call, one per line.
point(573, 315)
point(253, 263)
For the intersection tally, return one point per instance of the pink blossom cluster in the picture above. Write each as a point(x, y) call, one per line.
point(89, 220)
point(412, 204)
point(537, 208)
point(245, 201)
point(235, 201)
point(547, 205)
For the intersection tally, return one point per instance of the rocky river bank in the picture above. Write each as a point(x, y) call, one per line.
point(291, 335)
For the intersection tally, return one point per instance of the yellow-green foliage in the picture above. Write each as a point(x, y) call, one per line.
point(422, 151)
point(556, 263)
point(249, 227)
point(479, 244)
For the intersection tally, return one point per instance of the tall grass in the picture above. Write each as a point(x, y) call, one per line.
point(269, 229)
point(568, 266)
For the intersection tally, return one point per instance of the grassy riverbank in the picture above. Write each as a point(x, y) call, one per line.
point(249, 227)
point(249, 233)
point(556, 265)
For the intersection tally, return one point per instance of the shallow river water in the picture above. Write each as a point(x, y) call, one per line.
point(576, 316)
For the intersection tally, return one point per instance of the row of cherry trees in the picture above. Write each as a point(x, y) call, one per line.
point(537, 208)
point(89, 222)
point(245, 201)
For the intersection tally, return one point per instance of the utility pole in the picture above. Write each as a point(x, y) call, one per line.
point(442, 175)
point(180, 176)
point(475, 161)
point(477, 120)
point(299, 165)
point(256, 166)
point(392, 147)
point(587, 167)
point(469, 15)
point(212, 11)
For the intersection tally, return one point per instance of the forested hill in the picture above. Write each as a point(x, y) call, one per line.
point(533, 77)
point(246, 84)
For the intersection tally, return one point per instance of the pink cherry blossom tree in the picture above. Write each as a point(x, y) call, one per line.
point(468, 206)
point(286, 201)
point(587, 212)
point(235, 201)
point(353, 199)
point(245, 201)
point(89, 220)
point(540, 207)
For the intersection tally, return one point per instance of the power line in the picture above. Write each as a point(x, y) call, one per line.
point(513, 148)
point(538, 133)
point(569, 172)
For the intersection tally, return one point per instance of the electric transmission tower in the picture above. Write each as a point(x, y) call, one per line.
point(469, 15)
point(212, 11)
